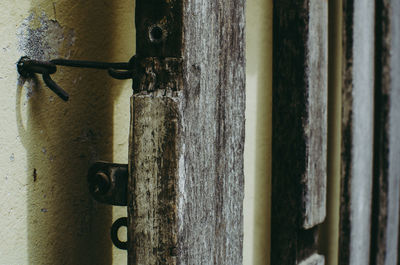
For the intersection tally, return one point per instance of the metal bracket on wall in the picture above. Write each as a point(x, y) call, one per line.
point(108, 183)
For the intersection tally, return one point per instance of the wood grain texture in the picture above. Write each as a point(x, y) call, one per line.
point(314, 179)
point(386, 200)
point(299, 128)
point(357, 132)
point(154, 175)
point(187, 140)
point(211, 224)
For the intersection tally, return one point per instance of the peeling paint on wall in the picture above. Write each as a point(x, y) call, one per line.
point(42, 38)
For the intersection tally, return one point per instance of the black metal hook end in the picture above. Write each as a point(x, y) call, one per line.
point(55, 88)
point(27, 68)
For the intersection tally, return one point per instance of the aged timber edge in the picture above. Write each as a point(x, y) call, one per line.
point(294, 228)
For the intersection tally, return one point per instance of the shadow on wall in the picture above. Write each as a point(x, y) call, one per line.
point(62, 139)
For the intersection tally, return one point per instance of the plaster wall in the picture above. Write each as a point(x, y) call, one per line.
point(257, 158)
point(47, 145)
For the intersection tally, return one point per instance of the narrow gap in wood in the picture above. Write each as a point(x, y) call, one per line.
point(329, 232)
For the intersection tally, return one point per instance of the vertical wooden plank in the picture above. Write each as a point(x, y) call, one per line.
point(299, 129)
point(213, 112)
point(187, 134)
point(385, 217)
point(357, 131)
point(154, 179)
point(154, 147)
point(314, 191)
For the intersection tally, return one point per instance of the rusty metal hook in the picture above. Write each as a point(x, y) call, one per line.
point(27, 67)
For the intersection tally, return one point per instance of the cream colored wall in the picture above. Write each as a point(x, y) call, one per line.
point(50, 218)
point(258, 132)
point(53, 220)
point(329, 236)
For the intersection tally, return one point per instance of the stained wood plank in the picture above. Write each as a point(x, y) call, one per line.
point(192, 174)
point(386, 210)
point(314, 179)
point(357, 131)
point(153, 185)
point(299, 128)
point(213, 111)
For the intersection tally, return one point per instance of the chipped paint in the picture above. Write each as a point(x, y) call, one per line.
point(42, 38)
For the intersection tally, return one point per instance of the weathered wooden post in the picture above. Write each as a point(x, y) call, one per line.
point(357, 131)
point(299, 133)
point(385, 236)
point(370, 189)
point(185, 189)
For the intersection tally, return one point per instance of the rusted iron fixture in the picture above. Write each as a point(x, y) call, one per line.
point(108, 183)
point(27, 67)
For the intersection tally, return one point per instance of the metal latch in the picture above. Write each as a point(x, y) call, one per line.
point(27, 67)
point(108, 183)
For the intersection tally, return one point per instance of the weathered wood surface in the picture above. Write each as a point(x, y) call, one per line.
point(314, 259)
point(299, 128)
point(357, 131)
point(315, 127)
point(158, 28)
point(187, 138)
point(214, 115)
point(153, 184)
point(386, 191)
